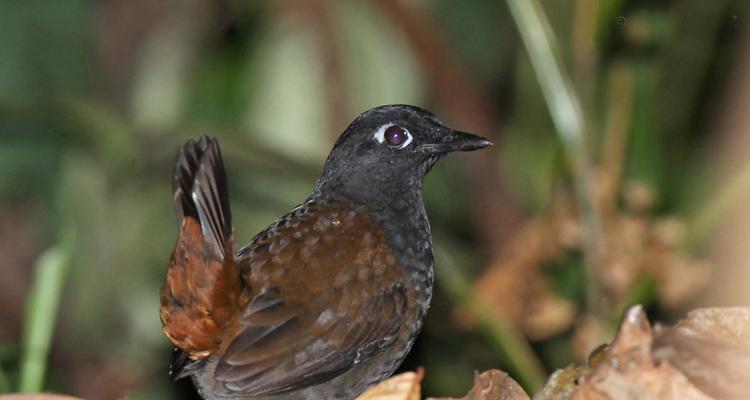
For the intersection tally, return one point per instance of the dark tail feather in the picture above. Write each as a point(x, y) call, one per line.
point(200, 190)
point(202, 286)
point(181, 366)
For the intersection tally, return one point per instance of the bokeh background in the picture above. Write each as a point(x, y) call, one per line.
point(620, 173)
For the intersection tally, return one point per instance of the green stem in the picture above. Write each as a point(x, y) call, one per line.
point(41, 310)
point(569, 121)
point(726, 198)
point(506, 340)
point(4, 384)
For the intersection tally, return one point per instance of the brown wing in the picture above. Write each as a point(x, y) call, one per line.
point(202, 287)
point(326, 295)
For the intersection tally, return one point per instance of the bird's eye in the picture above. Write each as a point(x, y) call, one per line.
point(393, 135)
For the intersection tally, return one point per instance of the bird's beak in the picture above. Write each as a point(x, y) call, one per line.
point(457, 141)
point(464, 141)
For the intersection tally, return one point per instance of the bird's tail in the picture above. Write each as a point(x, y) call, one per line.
point(202, 289)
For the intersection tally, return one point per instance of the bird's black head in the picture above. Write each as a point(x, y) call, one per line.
point(387, 151)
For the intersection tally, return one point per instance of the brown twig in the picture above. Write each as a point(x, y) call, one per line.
point(614, 146)
point(582, 42)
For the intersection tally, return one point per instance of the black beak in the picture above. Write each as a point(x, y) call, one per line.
point(457, 141)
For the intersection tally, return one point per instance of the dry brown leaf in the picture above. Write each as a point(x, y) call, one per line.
point(639, 196)
point(36, 396)
point(501, 285)
point(712, 348)
point(548, 315)
point(492, 385)
point(678, 276)
point(627, 370)
point(729, 325)
point(705, 356)
point(513, 285)
point(633, 244)
point(622, 254)
point(404, 386)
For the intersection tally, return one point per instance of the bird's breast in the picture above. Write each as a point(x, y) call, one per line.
point(407, 231)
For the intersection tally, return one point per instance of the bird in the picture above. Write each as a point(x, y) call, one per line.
point(327, 300)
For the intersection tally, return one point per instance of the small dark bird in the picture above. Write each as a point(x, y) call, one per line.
point(326, 301)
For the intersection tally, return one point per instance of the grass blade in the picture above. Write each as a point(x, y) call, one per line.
point(570, 123)
point(41, 310)
point(510, 344)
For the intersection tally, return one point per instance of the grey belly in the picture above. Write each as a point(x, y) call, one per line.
point(346, 386)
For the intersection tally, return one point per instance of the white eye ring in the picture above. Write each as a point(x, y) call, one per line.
point(380, 136)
